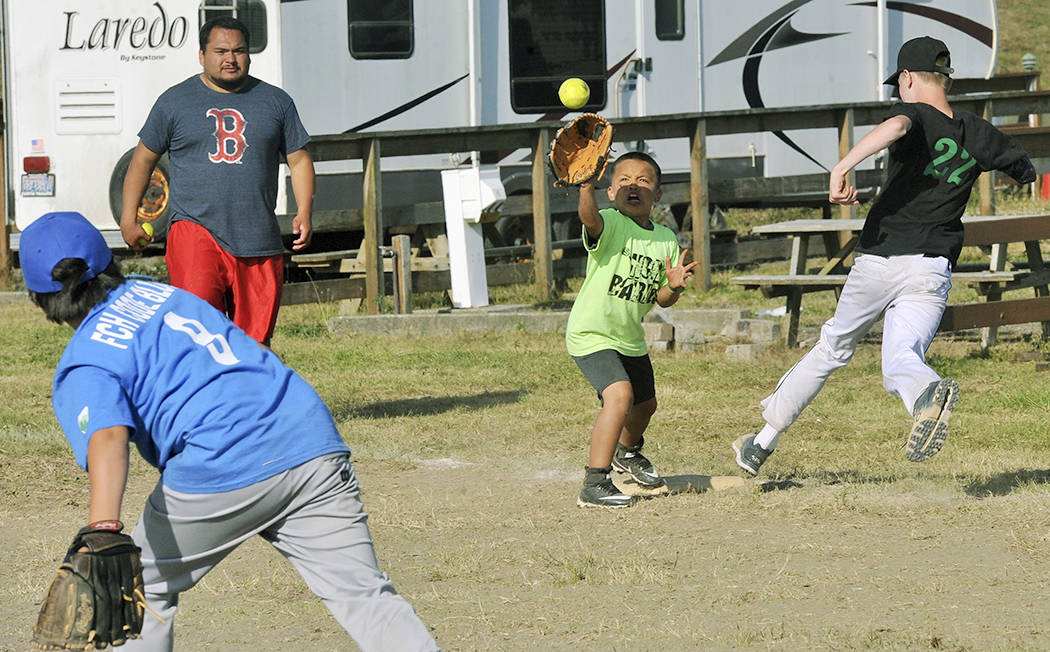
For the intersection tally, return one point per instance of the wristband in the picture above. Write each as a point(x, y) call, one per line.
point(112, 526)
point(677, 290)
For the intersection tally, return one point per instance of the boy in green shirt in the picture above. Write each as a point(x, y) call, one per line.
point(628, 269)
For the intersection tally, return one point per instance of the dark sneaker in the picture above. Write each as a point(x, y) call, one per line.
point(749, 455)
point(629, 459)
point(932, 411)
point(599, 491)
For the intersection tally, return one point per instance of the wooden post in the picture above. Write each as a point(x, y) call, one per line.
point(799, 256)
point(541, 219)
point(698, 199)
point(403, 273)
point(990, 334)
point(846, 124)
point(1035, 264)
point(986, 182)
point(986, 189)
point(1034, 121)
point(794, 309)
point(372, 212)
point(5, 237)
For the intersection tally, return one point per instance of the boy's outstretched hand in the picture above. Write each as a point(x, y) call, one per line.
point(677, 275)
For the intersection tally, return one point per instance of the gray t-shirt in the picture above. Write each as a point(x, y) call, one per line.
point(225, 149)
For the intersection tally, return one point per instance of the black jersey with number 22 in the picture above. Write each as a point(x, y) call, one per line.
point(931, 170)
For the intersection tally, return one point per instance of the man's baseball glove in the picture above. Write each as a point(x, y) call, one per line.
point(96, 598)
point(580, 150)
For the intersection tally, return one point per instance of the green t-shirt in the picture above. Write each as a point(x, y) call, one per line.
point(625, 268)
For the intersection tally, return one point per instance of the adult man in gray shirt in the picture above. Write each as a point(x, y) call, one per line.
point(225, 133)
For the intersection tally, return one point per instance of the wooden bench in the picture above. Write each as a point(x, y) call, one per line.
point(994, 231)
point(783, 285)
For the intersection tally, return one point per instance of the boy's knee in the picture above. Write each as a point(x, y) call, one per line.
point(836, 351)
point(619, 395)
point(647, 408)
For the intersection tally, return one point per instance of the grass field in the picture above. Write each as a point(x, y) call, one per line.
point(469, 452)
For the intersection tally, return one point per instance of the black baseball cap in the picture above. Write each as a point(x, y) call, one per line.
point(920, 55)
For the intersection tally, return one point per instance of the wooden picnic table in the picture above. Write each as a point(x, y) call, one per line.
point(995, 231)
point(800, 232)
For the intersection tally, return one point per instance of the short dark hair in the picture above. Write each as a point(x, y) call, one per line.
point(223, 22)
point(641, 156)
point(75, 300)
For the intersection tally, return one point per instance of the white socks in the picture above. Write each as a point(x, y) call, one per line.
point(768, 437)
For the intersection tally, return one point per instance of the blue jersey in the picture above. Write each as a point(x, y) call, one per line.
point(203, 402)
point(225, 149)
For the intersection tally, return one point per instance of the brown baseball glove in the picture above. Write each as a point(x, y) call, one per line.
point(580, 150)
point(96, 597)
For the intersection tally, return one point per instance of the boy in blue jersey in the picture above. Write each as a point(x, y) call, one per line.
point(244, 444)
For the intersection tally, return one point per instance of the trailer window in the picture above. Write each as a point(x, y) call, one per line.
point(550, 41)
point(380, 29)
point(250, 12)
point(670, 20)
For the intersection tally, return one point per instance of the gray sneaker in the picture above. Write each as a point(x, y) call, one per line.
point(629, 459)
point(599, 491)
point(749, 455)
point(932, 411)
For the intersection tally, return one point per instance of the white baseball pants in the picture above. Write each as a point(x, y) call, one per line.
point(313, 515)
point(910, 291)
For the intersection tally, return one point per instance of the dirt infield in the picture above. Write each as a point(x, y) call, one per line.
point(501, 558)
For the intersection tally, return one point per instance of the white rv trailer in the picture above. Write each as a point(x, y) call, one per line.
point(80, 76)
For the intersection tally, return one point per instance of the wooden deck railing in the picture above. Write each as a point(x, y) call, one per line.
point(372, 147)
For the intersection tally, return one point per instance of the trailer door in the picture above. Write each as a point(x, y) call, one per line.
point(662, 76)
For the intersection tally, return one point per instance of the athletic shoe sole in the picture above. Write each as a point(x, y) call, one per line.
point(738, 447)
point(647, 481)
point(583, 503)
point(931, 424)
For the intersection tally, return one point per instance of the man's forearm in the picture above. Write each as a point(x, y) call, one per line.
point(301, 168)
point(135, 182)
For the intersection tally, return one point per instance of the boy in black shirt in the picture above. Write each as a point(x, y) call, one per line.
point(911, 239)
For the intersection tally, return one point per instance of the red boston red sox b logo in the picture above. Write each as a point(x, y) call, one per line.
point(229, 135)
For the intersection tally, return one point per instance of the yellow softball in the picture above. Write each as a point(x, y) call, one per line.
point(148, 228)
point(574, 92)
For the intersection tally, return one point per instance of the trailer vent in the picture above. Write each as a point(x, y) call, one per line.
point(88, 106)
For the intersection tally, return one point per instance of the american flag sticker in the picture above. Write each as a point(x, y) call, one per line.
point(37, 145)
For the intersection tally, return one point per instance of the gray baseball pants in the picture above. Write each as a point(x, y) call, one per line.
point(910, 293)
point(313, 515)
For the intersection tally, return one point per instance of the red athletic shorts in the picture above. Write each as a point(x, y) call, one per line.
point(247, 289)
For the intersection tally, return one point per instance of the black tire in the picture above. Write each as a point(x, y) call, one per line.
point(156, 204)
point(514, 230)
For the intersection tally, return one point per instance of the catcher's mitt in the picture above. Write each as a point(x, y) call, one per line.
point(580, 150)
point(96, 597)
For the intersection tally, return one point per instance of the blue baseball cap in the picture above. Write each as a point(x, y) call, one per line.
point(56, 236)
